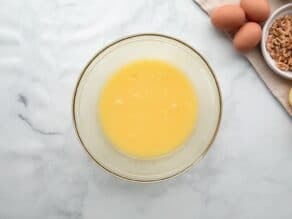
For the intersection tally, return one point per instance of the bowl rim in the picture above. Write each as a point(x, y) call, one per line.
point(265, 53)
point(114, 43)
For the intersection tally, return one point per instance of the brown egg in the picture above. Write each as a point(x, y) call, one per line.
point(256, 10)
point(228, 17)
point(248, 37)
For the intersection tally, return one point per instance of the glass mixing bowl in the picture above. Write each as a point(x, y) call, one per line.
point(99, 70)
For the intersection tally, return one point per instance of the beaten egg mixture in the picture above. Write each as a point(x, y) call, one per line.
point(147, 108)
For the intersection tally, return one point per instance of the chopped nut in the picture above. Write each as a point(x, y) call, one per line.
point(282, 66)
point(279, 42)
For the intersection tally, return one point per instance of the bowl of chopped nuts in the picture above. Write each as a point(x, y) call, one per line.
point(276, 42)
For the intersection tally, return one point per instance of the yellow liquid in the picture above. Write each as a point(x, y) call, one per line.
point(147, 108)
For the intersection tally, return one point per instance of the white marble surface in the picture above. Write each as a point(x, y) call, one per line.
point(46, 174)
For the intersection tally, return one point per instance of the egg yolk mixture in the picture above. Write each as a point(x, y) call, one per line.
point(147, 108)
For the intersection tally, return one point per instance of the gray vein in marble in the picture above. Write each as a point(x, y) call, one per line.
point(22, 99)
point(35, 129)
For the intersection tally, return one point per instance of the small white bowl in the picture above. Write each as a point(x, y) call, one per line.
point(284, 10)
